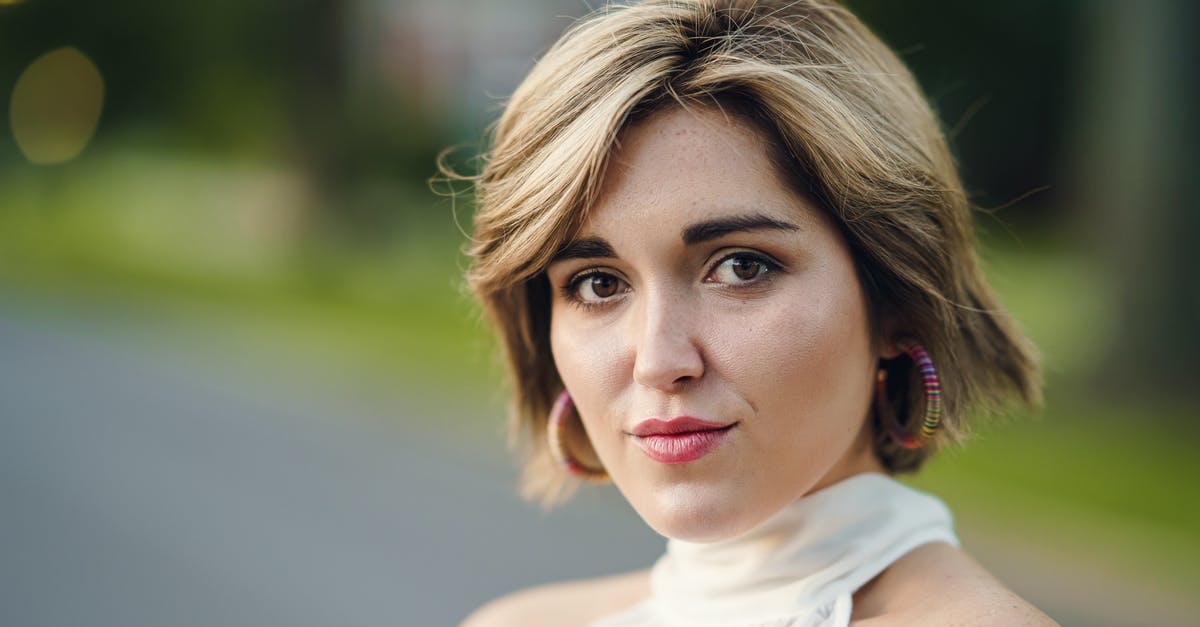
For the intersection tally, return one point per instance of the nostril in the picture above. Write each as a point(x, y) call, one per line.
point(669, 369)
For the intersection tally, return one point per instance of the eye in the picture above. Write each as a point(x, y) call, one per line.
point(741, 268)
point(594, 288)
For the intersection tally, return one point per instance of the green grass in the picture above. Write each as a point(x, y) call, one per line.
point(1082, 482)
point(433, 343)
point(159, 238)
point(182, 243)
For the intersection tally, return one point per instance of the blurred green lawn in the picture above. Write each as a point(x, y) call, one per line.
point(170, 242)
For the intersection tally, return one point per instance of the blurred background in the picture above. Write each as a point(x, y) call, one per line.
point(241, 383)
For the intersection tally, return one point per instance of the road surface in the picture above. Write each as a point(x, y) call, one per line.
point(144, 485)
point(140, 487)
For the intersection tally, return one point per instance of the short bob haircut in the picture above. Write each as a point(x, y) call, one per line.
point(846, 124)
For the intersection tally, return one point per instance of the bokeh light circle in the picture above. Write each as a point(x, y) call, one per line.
point(56, 105)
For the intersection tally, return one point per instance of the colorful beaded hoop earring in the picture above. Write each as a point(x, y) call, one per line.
point(933, 399)
point(558, 449)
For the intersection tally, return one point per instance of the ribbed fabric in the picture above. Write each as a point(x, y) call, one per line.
point(799, 568)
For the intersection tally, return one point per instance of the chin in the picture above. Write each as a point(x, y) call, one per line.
point(697, 513)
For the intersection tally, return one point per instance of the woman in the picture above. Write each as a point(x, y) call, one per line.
point(731, 263)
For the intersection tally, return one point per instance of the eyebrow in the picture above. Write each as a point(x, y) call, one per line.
point(586, 248)
point(712, 229)
point(598, 247)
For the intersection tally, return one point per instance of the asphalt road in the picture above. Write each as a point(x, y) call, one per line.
point(145, 482)
point(141, 487)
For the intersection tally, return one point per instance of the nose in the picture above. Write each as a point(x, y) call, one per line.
point(667, 353)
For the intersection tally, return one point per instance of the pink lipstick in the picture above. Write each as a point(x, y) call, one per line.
point(679, 440)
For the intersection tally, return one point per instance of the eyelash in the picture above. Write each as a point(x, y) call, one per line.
point(570, 291)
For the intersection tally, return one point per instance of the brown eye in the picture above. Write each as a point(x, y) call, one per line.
point(744, 268)
point(595, 288)
point(603, 285)
point(741, 269)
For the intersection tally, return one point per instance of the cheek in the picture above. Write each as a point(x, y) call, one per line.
point(589, 362)
point(829, 336)
point(802, 355)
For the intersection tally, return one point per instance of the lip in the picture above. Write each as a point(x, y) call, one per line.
point(679, 440)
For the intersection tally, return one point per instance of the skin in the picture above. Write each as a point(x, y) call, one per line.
point(765, 328)
point(935, 584)
point(783, 350)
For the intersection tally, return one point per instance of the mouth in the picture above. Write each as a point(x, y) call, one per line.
point(680, 440)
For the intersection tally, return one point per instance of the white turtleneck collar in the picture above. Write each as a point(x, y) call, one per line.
point(798, 568)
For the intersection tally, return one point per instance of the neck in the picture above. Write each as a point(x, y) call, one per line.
point(817, 550)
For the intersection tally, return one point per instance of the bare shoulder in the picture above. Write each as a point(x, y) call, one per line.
point(938, 584)
point(562, 604)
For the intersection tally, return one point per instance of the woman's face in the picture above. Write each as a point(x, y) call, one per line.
point(704, 296)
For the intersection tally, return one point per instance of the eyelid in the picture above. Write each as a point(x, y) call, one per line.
point(725, 252)
point(570, 290)
point(588, 271)
point(773, 265)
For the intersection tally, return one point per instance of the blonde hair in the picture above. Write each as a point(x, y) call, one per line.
point(848, 126)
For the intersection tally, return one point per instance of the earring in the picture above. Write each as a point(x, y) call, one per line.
point(558, 449)
point(933, 399)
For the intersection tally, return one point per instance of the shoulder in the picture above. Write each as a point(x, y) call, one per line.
point(940, 584)
point(567, 603)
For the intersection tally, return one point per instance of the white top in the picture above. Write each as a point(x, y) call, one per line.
point(800, 567)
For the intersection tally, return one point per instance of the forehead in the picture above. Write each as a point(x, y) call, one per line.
point(681, 165)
